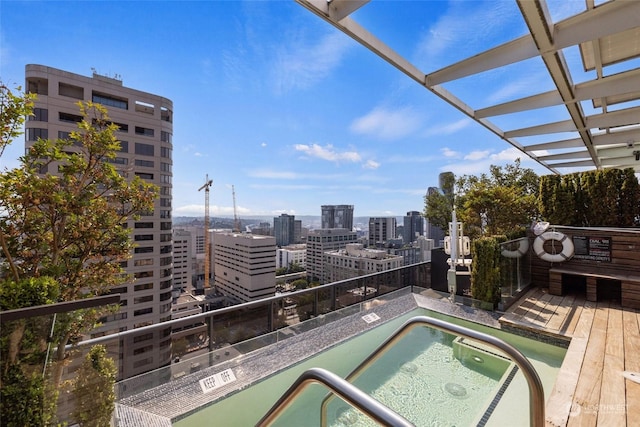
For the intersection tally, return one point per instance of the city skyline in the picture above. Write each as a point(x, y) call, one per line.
point(274, 101)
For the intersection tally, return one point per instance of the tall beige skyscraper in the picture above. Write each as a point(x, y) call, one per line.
point(146, 128)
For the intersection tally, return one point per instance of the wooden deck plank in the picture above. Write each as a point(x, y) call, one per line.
point(569, 327)
point(631, 363)
point(563, 309)
point(559, 403)
point(548, 312)
point(587, 396)
point(540, 310)
point(612, 392)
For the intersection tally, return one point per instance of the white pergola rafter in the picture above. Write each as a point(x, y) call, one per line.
point(605, 34)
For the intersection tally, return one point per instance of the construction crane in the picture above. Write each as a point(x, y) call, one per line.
point(207, 250)
point(236, 220)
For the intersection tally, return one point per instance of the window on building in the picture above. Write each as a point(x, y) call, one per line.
point(143, 262)
point(124, 146)
point(143, 287)
point(65, 89)
point(145, 107)
point(144, 131)
point(165, 136)
point(39, 115)
point(110, 100)
point(140, 300)
point(34, 133)
point(143, 311)
point(165, 152)
point(38, 86)
point(142, 350)
point(69, 118)
point(140, 237)
point(143, 225)
point(122, 127)
point(118, 161)
point(166, 114)
point(143, 250)
point(143, 337)
point(145, 163)
point(143, 274)
point(144, 175)
point(144, 149)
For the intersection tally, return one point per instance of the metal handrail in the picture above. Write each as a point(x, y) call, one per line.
point(536, 391)
point(342, 388)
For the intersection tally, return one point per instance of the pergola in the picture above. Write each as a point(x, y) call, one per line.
point(606, 34)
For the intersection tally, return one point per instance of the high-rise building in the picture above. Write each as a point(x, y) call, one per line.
point(337, 216)
point(413, 226)
point(245, 265)
point(381, 230)
point(287, 230)
point(145, 135)
point(320, 241)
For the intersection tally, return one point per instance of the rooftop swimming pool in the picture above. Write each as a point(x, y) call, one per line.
point(429, 377)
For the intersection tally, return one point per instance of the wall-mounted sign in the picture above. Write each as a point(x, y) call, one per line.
point(592, 248)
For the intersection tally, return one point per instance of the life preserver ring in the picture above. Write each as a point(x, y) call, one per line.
point(564, 255)
point(523, 247)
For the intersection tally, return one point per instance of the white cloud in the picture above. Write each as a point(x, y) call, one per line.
point(264, 144)
point(477, 155)
point(447, 152)
point(371, 164)
point(327, 153)
point(387, 124)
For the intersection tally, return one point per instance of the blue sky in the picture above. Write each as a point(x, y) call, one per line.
point(273, 100)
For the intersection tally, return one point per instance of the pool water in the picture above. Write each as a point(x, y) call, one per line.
point(426, 377)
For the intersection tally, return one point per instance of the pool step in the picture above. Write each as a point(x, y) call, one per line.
point(480, 357)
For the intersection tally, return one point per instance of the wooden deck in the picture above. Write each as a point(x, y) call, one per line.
point(605, 342)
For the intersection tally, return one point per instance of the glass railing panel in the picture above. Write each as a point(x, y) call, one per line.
point(47, 379)
point(301, 306)
point(326, 300)
point(515, 266)
point(231, 327)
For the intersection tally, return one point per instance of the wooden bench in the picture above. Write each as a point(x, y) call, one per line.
point(629, 284)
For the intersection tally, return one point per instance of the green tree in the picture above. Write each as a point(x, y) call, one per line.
point(300, 284)
point(485, 275)
point(438, 205)
point(499, 203)
point(93, 389)
point(13, 110)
